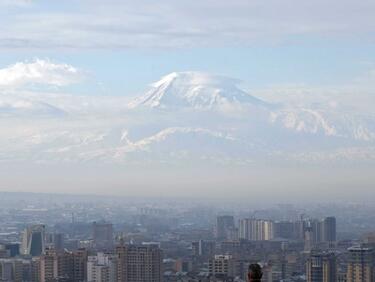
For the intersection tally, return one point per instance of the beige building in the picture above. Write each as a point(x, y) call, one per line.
point(222, 265)
point(360, 265)
point(11, 270)
point(139, 263)
point(256, 229)
point(102, 268)
point(80, 264)
point(321, 267)
point(62, 265)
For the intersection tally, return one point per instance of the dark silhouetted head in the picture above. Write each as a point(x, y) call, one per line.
point(255, 273)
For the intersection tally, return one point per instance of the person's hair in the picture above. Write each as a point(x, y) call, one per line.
point(255, 272)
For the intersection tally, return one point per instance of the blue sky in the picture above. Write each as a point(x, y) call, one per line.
point(128, 72)
point(124, 45)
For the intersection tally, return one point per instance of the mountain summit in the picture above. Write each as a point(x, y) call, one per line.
point(195, 90)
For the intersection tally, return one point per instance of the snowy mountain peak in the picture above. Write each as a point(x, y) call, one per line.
point(194, 90)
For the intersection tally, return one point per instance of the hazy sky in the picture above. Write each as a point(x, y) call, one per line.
point(124, 45)
point(69, 68)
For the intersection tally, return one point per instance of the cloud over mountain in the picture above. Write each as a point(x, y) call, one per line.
point(183, 117)
point(195, 90)
point(39, 72)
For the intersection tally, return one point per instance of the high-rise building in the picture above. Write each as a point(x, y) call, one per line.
point(256, 229)
point(54, 266)
point(321, 267)
point(328, 230)
point(222, 265)
point(308, 239)
point(80, 265)
point(48, 267)
point(11, 249)
point(224, 226)
point(284, 229)
point(33, 241)
point(318, 232)
point(360, 265)
point(289, 230)
point(102, 268)
point(316, 226)
point(11, 270)
point(62, 265)
point(55, 241)
point(203, 248)
point(97, 272)
point(27, 268)
point(35, 269)
point(139, 263)
point(102, 234)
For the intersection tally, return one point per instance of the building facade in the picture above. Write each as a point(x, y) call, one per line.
point(256, 229)
point(222, 265)
point(360, 265)
point(139, 263)
point(224, 227)
point(33, 240)
point(321, 267)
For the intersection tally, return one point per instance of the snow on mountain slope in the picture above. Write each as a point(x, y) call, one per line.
point(114, 145)
point(169, 133)
point(201, 91)
point(329, 123)
point(194, 90)
point(181, 119)
point(303, 120)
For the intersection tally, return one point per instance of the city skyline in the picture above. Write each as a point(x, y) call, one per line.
point(87, 238)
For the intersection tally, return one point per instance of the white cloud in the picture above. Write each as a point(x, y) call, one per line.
point(39, 72)
point(72, 127)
